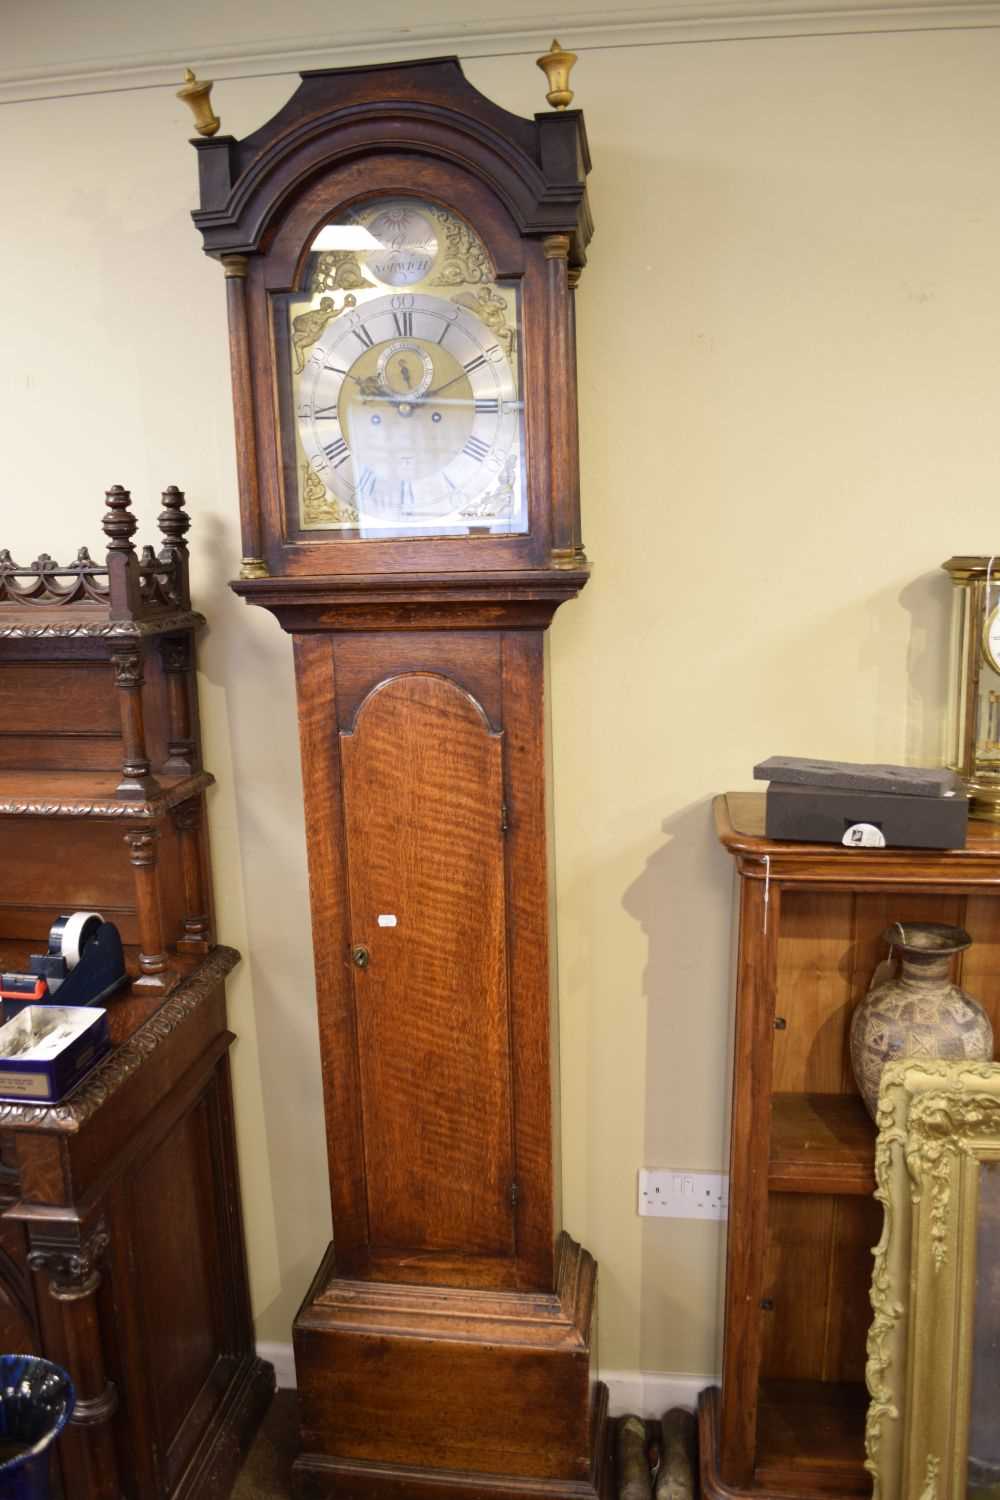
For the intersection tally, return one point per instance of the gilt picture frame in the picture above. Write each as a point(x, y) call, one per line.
point(933, 1366)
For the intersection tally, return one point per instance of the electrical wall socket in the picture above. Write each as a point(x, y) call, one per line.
point(672, 1193)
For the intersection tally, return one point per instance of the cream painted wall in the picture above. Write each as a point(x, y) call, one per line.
point(790, 359)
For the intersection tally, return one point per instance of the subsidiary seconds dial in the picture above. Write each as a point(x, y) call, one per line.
point(408, 412)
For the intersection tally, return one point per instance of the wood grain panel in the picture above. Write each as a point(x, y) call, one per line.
point(28, 926)
point(322, 785)
point(817, 1277)
point(821, 1143)
point(514, 1412)
point(75, 862)
point(979, 966)
point(174, 1225)
point(813, 992)
point(811, 1439)
point(43, 696)
point(534, 1025)
point(746, 1239)
point(58, 752)
point(469, 657)
point(18, 1333)
point(423, 795)
point(800, 1239)
point(848, 1307)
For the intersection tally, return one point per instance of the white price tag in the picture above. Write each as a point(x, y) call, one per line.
point(864, 836)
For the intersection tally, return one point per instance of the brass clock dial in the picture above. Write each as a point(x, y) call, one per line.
point(405, 380)
point(408, 412)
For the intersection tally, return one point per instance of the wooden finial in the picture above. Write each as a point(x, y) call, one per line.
point(197, 95)
point(557, 66)
point(119, 524)
point(173, 520)
point(124, 581)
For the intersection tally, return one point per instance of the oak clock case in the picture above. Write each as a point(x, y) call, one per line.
point(401, 256)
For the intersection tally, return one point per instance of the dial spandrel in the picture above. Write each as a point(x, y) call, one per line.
point(407, 410)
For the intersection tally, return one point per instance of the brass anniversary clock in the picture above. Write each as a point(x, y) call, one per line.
point(974, 710)
point(400, 257)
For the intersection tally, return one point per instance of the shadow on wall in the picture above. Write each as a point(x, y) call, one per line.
point(683, 902)
point(928, 600)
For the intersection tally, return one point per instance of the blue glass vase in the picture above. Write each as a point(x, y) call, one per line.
point(36, 1399)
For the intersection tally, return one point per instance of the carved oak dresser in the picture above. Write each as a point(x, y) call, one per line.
point(121, 1241)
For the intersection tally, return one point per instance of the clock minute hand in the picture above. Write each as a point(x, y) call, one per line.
point(438, 389)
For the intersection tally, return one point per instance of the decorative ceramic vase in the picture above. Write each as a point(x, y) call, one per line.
point(36, 1400)
point(919, 1013)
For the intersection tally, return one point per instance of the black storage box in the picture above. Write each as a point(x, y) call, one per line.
point(865, 819)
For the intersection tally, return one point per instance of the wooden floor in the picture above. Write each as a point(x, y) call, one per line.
point(266, 1473)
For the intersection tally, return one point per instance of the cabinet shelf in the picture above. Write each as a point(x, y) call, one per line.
point(810, 1435)
point(75, 794)
point(821, 1143)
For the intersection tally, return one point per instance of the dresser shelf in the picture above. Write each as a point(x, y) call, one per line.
point(821, 1143)
point(77, 794)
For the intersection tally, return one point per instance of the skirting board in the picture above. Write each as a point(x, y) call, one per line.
point(647, 1393)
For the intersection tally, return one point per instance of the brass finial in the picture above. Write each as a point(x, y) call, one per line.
point(197, 94)
point(557, 66)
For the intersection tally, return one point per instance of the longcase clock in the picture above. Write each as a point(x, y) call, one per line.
point(400, 256)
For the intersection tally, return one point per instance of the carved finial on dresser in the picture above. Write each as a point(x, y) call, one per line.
point(174, 522)
point(120, 526)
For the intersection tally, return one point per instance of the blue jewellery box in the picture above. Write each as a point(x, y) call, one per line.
point(46, 1049)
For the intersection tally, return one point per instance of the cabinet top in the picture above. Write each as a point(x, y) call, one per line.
point(142, 1026)
point(128, 594)
point(739, 823)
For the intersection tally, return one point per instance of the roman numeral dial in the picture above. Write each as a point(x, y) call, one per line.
point(409, 416)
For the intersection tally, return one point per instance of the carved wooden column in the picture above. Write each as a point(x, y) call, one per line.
point(143, 854)
point(196, 936)
point(137, 782)
point(252, 564)
point(176, 655)
point(68, 1255)
point(564, 440)
point(125, 599)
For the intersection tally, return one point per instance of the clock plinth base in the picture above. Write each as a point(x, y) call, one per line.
point(427, 1391)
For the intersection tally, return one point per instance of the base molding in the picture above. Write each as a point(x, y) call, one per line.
point(714, 1487)
point(315, 1477)
point(450, 1390)
point(219, 1457)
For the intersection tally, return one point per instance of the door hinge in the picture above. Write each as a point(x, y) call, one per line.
point(514, 1195)
point(504, 825)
